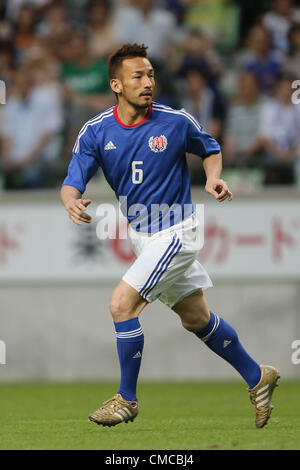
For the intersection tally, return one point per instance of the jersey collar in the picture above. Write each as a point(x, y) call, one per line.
point(134, 125)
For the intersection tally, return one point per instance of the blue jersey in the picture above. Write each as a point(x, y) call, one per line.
point(145, 164)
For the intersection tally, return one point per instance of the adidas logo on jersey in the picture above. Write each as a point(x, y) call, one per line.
point(137, 355)
point(226, 343)
point(110, 146)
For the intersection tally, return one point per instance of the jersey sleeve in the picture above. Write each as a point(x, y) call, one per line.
point(200, 142)
point(84, 163)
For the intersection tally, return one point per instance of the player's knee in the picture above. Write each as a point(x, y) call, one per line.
point(187, 325)
point(119, 309)
point(195, 324)
point(116, 309)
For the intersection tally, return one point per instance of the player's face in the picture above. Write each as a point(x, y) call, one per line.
point(136, 82)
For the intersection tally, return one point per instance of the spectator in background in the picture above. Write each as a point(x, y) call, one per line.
point(13, 7)
point(218, 19)
point(31, 125)
point(206, 15)
point(55, 24)
point(292, 62)
point(38, 50)
point(55, 30)
point(7, 63)
point(242, 129)
point(279, 21)
point(206, 106)
point(6, 31)
point(42, 36)
point(86, 86)
point(142, 22)
point(24, 30)
point(280, 134)
point(47, 89)
point(178, 8)
point(102, 35)
point(165, 91)
point(260, 59)
point(199, 53)
point(40, 53)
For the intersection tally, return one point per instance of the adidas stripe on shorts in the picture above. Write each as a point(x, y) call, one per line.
point(166, 266)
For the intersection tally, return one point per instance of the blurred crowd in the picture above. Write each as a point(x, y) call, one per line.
point(232, 64)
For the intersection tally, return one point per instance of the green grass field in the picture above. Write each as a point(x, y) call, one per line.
point(172, 416)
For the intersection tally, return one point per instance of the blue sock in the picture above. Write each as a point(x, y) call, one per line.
point(130, 343)
point(221, 338)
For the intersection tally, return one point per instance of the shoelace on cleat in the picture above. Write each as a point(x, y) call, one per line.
point(112, 403)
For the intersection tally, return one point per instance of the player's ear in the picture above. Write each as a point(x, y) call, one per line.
point(116, 85)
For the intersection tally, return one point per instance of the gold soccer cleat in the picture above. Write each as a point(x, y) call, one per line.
point(261, 394)
point(114, 411)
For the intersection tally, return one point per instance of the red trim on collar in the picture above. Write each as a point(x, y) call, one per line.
point(133, 125)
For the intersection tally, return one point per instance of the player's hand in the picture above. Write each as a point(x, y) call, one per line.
point(76, 209)
point(219, 189)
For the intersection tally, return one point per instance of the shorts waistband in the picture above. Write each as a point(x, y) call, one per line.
point(190, 220)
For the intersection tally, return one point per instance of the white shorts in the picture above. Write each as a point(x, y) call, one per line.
point(166, 265)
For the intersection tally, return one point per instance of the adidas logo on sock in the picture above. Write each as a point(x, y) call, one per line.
point(110, 146)
point(226, 342)
point(137, 355)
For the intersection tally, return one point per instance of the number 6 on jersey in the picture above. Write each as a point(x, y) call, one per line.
point(137, 173)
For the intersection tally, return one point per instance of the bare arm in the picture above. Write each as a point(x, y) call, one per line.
point(75, 205)
point(214, 184)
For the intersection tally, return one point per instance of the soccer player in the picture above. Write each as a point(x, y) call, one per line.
point(141, 146)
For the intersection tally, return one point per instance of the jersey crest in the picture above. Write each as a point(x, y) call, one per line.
point(158, 144)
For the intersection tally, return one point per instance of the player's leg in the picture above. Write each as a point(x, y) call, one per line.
point(126, 303)
point(221, 338)
point(217, 334)
point(125, 306)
